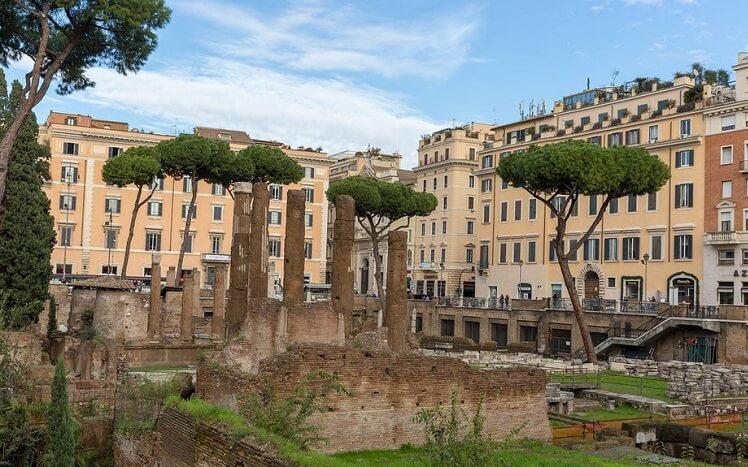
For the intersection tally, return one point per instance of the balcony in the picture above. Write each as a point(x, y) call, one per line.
point(744, 166)
point(725, 238)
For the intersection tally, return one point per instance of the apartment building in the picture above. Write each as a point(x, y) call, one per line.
point(646, 246)
point(372, 163)
point(726, 193)
point(92, 219)
point(446, 242)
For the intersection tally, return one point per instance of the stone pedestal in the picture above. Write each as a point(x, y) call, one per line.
point(190, 302)
point(154, 313)
point(293, 250)
point(258, 245)
point(396, 304)
point(236, 310)
point(342, 273)
point(219, 302)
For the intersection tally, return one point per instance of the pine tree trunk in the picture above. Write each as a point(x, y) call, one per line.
point(131, 232)
point(563, 262)
point(187, 224)
point(378, 273)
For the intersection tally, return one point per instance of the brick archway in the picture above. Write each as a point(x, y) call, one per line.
point(590, 267)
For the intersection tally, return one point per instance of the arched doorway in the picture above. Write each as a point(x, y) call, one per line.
point(364, 284)
point(591, 285)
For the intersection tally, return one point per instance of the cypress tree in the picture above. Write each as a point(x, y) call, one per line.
point(52, 321)
point(61, 427)
point(27, 234)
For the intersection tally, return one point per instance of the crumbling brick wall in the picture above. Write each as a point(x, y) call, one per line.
point(387, 390)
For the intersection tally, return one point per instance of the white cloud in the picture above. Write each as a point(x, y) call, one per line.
point(320, 37)
point(657, 46)
point(643, 2)
point(332, 113)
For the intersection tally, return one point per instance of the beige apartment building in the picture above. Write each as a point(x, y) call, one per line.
point(92, 218)
point(647, 247)
point(384, 167)
point(446, 242)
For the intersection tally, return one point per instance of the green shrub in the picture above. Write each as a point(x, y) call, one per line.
point(62, 429)
point(52, 322)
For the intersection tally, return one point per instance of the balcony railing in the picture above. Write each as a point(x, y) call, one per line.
point(726, 237)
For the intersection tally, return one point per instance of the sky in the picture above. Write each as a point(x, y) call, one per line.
point(347, 75)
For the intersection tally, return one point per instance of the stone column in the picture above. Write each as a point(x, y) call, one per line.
point(154, 314)
point(171, 276)
point(258, 249)
point(236, 310)
point(219, 302)
point(342, 247)
point(396, 304)
point(190, 302)
point(293, 251)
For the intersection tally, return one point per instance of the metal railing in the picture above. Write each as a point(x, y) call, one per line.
point(491, 303)
point(588, 304)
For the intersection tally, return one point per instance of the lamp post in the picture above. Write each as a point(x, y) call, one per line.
point(66, 207)
point(441, 274)
point(519, 293)
point(645, 262)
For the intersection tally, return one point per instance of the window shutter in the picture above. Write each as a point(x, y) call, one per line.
point(62, 202)
point(636, 248)
point(677, 195)
point(280, 192)
point(72, 204)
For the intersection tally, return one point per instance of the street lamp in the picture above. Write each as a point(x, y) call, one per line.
point(441, 273)
point(519, 294)
point(645, 262)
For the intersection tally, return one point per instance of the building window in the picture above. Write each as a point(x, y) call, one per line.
point(276, 192)
point(70, 149)
point(683, 246)
point(533, 209)
point(215, 244)
point(573, 250)
point(111, 238)
point(217, 212)
point(71, 121)
point(444, 227)
point(726, 257)
point(309, 194)
point(423, 229)
point(485, 185)
point(274, 217)
point(470, 227)
point(189, 241)
point(157, 184)
point(592, 249)
point(652, 201)
point(654, 133)
point(274, 247)
point(727, 189)
point(726, 155)
point(630, 248)
point(308, 172)
point(725, 293)
point(486, 213)
point(113, 205)
point(592, 205)
point(552, 256)
point(443, 255)
point(614, 139)
point(471, 154)
point(446, 181)
point(187, 184)
point(469, 255)
point(684, 195)
point(109, 269)
point(516, 252)
point(435, 184)
point(504, 211)
point(66, 235)
point(433, 228)
point(602, 117)
point(531, 251)
point(725, 221)
point(745, 257)
point(596, 140)
point(471, 181)
point(69, 174)
point(685, 128)
point(611, 249)
point(632, 203)
point(155, 208)
point(502, 253)
point(186, 207)
point(424, 185)
point(217, 189)
point(448, 327)
point(114, 151)
point(153, 241)
point(308, 219)
point(613, 206)
point(308, 250)
point(728, 122)
point(67, 202)
point(528, 333)
point(632, 137)
point(655, 249)
point(472, 330)
point(444, 203)
point(684, 158)
point(518, 210)
point(487, 162)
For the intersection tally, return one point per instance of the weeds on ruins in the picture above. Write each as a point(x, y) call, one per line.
point(559, 174)
point(139, 403)
point(289, 417)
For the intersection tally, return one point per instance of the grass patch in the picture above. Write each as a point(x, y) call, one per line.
point(621, 412)
point(558, 423)
point(654, 388)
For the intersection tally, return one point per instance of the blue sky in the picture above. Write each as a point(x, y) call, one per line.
point(347, 75)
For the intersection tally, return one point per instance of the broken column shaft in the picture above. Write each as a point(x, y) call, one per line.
point(396, 303)
point(190, 302)
point(219, 302)
point(154, 313)
point(258, 250)
point(342, 247)
point(236, 310)
point(293, 250)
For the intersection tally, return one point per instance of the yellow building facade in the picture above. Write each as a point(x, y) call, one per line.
point(647, 248)
point(92, 219)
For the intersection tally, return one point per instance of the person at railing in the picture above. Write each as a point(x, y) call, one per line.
point(501, 302)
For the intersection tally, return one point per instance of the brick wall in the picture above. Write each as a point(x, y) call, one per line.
point(717, 173)
point(388, 390)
